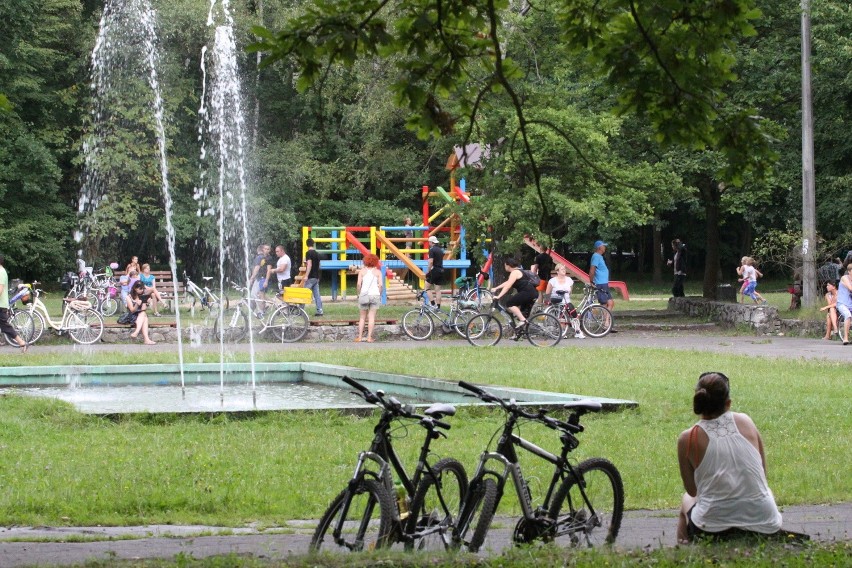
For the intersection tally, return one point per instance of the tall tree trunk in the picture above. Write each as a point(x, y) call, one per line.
point(658, 258)
point(640, 255)
point(711, 196)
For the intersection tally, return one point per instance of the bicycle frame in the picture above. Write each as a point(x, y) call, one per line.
point(383, 454)
point(508, 466)
point(38, 306)
point(506, 455)
point(444, 317)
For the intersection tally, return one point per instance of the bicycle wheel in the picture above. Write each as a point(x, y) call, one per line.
point(596, 320)
point(560, 314)
point(483, 330)
point(38, 325)
point(359, 520)
point(460, 319)
point(436, 506)
point(482, 297)
point(289, 324)
point(108, 307)
point(543, 330)
point(475, 519)
point(85, 326)
point(417, 324)
point(233, 326)
point(22, 321)
point(578, 524)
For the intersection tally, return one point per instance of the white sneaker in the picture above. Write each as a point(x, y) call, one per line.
point(579, 335)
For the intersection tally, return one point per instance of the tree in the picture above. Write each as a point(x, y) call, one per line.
point(40, 55)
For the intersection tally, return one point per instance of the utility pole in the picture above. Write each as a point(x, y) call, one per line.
point(809, 243)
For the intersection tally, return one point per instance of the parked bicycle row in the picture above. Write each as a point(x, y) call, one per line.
point(475, 315)
point(436, 506)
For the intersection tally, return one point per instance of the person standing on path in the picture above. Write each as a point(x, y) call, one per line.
point(435, 274)
point(369, 296)
point(282, 270)
point(599, 275)
point(543, 266)
point(5, 326)
point(678, 262)
point(844, 302)
point(312, 275)
point(723, 469)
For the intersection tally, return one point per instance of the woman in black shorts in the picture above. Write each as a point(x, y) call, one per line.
point(525, 295)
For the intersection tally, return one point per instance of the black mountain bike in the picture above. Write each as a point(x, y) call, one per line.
point(583, 505)
point(373, 511)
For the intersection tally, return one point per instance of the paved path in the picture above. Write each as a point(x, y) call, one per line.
point(640, 529)
point(749, 345)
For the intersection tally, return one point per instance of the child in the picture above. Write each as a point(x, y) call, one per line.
point(749, 278)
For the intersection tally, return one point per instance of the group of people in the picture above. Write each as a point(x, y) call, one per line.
point(838, 300)
point(265, 266)
point(139, 294)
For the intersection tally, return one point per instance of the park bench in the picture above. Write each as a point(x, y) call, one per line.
point(152, 323)
point(322, 321)
point(170, 290)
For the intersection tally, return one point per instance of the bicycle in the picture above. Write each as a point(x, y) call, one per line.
point(595, 319)
point(419, 323)
point(289, 322)
point(469, 290)
point(583, 503)
point(21, 320)
point(370, 512)
point(590, 317)
point(486, 329)
point(204, 297)
point(79, 320)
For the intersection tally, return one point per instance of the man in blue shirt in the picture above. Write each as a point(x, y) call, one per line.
point(599, 275)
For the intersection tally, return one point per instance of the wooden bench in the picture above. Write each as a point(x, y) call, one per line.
point(151, 324)
point(321, 321)
point(170, 290)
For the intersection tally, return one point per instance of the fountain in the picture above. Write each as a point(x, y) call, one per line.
point(222, 188)
point(125, 50)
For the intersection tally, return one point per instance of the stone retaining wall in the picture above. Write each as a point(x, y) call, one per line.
point(198, 334)
point(763, 319)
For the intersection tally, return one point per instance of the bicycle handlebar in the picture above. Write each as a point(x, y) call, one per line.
point(394, 406)
point(513, 408)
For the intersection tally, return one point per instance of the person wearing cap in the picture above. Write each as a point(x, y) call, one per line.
point(435, 270)
point(599, 275)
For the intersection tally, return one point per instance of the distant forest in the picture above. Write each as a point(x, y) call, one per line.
point(344, 151)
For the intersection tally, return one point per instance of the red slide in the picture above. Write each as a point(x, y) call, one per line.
point(573, 269)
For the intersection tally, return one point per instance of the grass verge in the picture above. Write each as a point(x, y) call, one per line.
point(60, 467)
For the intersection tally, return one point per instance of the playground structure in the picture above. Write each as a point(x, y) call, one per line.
point(342, 248)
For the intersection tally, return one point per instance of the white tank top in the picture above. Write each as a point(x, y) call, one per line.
point(369, 284)
point(732, 487)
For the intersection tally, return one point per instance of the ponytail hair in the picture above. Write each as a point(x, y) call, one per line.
point(711, 393)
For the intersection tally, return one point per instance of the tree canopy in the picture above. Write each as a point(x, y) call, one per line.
point(631, 121)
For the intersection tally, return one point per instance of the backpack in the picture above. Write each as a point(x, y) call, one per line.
point(531, 276)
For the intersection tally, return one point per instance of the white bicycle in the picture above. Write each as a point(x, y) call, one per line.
point(79, 320)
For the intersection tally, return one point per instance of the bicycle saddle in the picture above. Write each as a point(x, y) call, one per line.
point(207, 278)
point(583, 405)
point(440, 409)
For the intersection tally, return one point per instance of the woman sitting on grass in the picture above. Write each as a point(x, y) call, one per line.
point(723, 469)
point(137, 304)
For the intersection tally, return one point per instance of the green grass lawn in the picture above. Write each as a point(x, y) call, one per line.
point(60, 467)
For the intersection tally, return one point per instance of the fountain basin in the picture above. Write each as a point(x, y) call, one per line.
point(209, 387)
